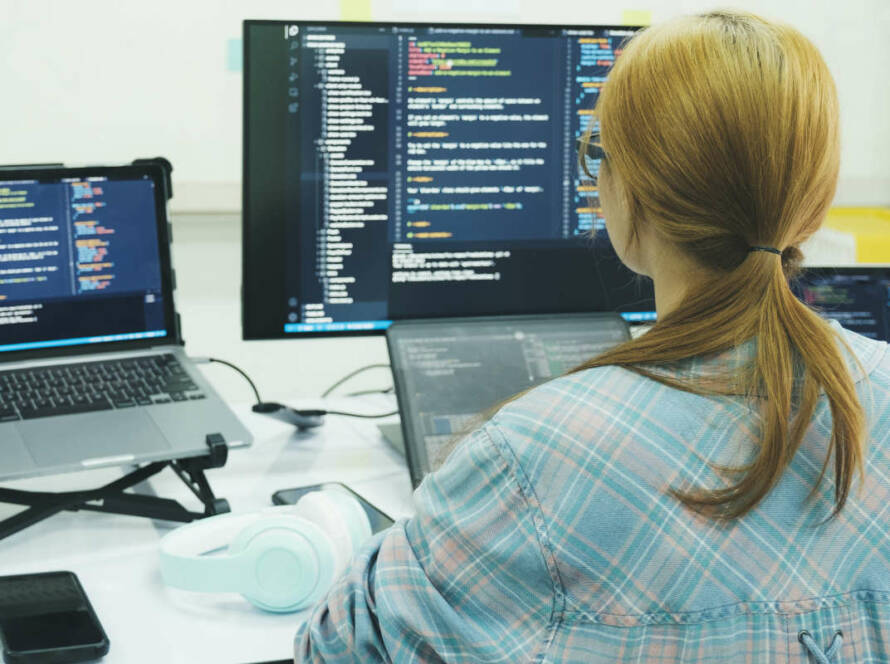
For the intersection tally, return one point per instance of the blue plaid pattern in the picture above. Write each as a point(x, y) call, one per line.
point(548, 536)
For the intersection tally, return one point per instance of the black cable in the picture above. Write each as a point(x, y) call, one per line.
point(370, 417)
point(323, 412)
point(246, 377)
point(350, 375)
point(361, 393)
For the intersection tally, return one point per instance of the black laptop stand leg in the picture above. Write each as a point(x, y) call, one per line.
point(111, 498)
point(44, 504)
point(25, 518)
point(191, 472)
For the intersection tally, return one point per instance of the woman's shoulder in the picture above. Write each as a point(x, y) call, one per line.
point(865, 357)
point(590, 410)
point(602, 388)
point(584, 411)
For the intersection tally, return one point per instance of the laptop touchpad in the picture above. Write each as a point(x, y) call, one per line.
point(71, 439)
point(14, 452)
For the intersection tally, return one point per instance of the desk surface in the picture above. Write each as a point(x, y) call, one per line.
point(116, 557)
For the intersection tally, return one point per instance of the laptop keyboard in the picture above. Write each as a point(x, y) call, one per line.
point(65, 389)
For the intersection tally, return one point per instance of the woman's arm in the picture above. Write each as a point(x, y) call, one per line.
point(464, 580)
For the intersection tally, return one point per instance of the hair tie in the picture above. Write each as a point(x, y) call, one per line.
point(771, 250)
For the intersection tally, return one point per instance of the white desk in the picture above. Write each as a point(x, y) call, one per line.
point(116, 557)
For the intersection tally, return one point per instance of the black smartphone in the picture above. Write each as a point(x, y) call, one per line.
point(379, 520)
point(47, 618)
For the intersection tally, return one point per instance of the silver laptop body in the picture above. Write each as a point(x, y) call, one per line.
point(103, 235)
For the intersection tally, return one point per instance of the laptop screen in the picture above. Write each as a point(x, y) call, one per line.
point(449, 371)
point(83, 254)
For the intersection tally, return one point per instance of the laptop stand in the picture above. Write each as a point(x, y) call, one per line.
point(112, 498)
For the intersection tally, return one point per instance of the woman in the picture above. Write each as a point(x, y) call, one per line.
point(716, 490)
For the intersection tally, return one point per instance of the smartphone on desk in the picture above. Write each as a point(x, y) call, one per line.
point(47, 618)
point(378, 519)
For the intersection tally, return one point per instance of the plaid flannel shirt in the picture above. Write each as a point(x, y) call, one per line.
point(548, 536)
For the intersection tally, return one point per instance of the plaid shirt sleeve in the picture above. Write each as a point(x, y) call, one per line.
point(466, 579)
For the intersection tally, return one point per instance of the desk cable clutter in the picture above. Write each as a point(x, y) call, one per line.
point(304, 418)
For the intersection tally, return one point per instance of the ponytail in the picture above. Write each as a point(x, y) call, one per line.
point(797, 358)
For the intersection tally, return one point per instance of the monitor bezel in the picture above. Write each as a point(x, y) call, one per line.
point(249, 282)
point(126, 172)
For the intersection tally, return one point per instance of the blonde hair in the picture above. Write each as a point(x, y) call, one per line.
point(722, 130)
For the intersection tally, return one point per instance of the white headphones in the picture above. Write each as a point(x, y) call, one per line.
point(280, 559)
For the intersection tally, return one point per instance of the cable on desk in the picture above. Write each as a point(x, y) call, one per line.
point(351, 375)
point(362, 393)
point(370, 417)
point(240, 371)
point(202, 360)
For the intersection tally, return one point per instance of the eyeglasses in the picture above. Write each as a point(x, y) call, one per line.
point(590, 154)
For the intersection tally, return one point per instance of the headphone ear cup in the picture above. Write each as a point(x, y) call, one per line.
point(354, 517)
point(285, 563)
point(319, 508)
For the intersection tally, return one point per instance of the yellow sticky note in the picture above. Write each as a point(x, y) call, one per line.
point(635, 17)
point(869, 228)
point(355, 10)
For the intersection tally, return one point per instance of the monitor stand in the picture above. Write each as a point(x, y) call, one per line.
point(392, 431)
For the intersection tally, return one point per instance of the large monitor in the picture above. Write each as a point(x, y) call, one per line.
point(400, 171)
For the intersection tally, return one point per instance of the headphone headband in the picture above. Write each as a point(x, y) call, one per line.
point(280, 559)
point(183, 563)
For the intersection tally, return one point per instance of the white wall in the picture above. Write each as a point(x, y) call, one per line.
point(110, 80)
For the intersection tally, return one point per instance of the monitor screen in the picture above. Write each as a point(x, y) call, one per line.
point(82, 258)
point(396, 171)
point(856, 297)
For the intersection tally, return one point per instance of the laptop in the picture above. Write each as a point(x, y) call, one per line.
point(92, 367)
point(448, 372)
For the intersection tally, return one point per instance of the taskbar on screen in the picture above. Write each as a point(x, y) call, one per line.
point(373, 325)
point(55, 343)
